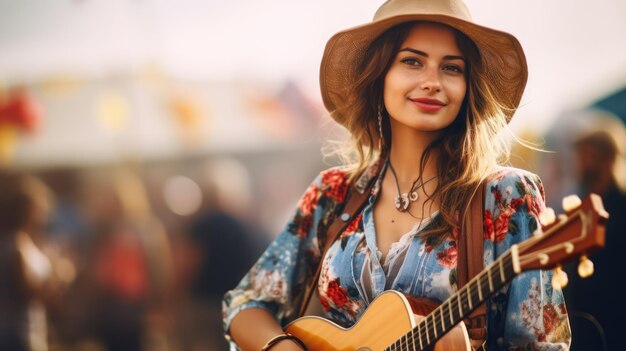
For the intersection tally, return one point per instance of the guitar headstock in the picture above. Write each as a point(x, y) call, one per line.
point(575, 233)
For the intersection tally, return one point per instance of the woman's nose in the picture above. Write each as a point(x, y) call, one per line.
point(430, 80)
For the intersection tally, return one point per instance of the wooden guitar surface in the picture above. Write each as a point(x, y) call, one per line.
point(386, 320)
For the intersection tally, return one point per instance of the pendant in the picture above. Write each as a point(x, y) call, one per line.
point(414, 196)
point(402, 202)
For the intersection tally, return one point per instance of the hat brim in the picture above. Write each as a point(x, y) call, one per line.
point(501, 54)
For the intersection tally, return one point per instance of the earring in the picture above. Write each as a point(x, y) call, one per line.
point(381, 139)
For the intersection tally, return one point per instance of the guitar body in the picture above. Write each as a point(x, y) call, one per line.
point(387, 319)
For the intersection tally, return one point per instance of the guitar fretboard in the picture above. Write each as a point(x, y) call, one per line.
point(452, 311)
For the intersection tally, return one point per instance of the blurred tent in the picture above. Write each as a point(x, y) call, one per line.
point(134, 116)
point(615, 103)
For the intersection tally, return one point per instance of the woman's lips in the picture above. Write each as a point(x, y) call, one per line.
point(428, 105)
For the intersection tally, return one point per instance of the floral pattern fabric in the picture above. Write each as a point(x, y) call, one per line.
point(527, 314)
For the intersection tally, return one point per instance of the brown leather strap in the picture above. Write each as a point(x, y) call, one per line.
point(354, 206)
point(470, 260)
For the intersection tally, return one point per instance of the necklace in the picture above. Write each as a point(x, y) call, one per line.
point(403, 200)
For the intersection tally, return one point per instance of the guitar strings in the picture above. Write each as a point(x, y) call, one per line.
point(409, 340)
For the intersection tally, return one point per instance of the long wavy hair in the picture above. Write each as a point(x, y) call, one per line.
point(468, 149)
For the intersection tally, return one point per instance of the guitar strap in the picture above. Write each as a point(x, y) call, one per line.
point(356, 201)
point(470, 257)
point(470, 263)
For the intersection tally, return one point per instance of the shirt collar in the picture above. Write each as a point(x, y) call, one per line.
point(376, 169)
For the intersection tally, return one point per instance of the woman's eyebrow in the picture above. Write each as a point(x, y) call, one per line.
point(421, 53)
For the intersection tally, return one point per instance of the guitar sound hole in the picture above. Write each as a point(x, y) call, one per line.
point(365, 348)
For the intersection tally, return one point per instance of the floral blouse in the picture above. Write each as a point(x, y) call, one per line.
point(527, 314)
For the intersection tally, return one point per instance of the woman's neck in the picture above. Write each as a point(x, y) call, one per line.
point(407, 148)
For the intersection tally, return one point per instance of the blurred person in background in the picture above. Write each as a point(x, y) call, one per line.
point(27, 279)
point(597, 306)
point(130, 268)
point(221, 227)
point(67, 236)
point(423, 92)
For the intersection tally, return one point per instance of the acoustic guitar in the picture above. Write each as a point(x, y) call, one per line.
point(394, 321)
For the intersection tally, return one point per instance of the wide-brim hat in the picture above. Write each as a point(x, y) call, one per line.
point(502, 57)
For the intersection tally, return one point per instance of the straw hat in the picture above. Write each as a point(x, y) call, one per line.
point(501, 53)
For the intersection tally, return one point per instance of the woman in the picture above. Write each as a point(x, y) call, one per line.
point(26, 273)
point(424, 91)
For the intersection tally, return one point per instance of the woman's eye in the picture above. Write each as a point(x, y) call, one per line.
point(411, 61)
point(453, 68)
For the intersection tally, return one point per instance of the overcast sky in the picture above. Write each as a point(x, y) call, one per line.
point(575, 48)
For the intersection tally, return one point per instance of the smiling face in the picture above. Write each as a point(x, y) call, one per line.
point(425, 85)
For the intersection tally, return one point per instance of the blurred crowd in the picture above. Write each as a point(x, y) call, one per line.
point(136, 254)
point(118, 258)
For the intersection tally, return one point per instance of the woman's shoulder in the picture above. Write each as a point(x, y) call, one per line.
point(335, 172)
point(332, 183)
point(506, 175)
point(514, 183)
point(337, 176)
point(340, 178)
point(513, 198)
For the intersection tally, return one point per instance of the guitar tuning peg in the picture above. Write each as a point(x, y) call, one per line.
point(571, 202)
point(547, 216)
point(585, 267)
point(559, 278)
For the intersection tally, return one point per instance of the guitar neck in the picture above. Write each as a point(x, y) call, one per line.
point(452, 311)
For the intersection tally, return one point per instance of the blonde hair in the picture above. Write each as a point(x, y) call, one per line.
point(469, 148)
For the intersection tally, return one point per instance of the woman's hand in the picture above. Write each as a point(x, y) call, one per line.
point(286, 345)
point(252, 328)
